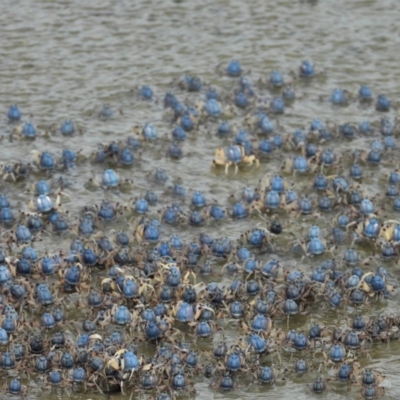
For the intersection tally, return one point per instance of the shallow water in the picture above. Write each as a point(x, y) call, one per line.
point(65, 59)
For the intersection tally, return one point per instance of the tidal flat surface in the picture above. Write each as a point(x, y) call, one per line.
point(66, 59)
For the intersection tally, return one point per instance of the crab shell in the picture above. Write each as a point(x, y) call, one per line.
point(221, 156)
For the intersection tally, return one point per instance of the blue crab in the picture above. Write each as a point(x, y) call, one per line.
point(27, 130)
point(109, 180)
point(43, 204)
point(14, 113)
point(15, 172)
point(234, 155)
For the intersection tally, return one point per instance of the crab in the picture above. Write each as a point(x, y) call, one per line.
point(127, 362)
point(169, 273)
point(234, 155)
point(388, 250)
point(145, 133)
point(56, 186)
point(265, 374)
point(376, 284)
point(160, 328)
point(301, 291)
point(343, 193)
point(178, 382)
point(268, 201)
point(232, 312)
point(287, 308)
point(43, 160)
point(146, 230)
point(185, 312)
point(59, 224)
point(66, 128)
point(224, 383)
point(10, 322)
point(75, 276)
point(275, 182)
point(369, 228)
point(14, 388)
point(257, 346)
point(351, 339)
point(190, 119)
point(204, 329)
point(259, 237)
point(98, 251)
point(357, 296)
point(106, 211)
point(148, 381)
point(354, 197)
point(79, 375)
point(190, 291)
point(128, 287)
point(114, 153)
point(189, 83)
point(69, 158)
point(338, 354)
point(99, 254)
point(20, 236)
point(197, 217)
point(319, 385)
point(299, 366)
point(367, 376)
point(297, 165)
point(109, 179)
point(312, 245)
point(12, 262)
point(244, 291)
point(260, 324)
point(295, 141)
point(390, 232)
point(172, 215)
point(234, 361)
point(322, 132)
point(45, 205)
point(15, 172)
point(304, 206)
point(120, 315)
point(189, 358)
point(211, 108)
point(18, 291)
point(26, 130)
point(372, 392)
